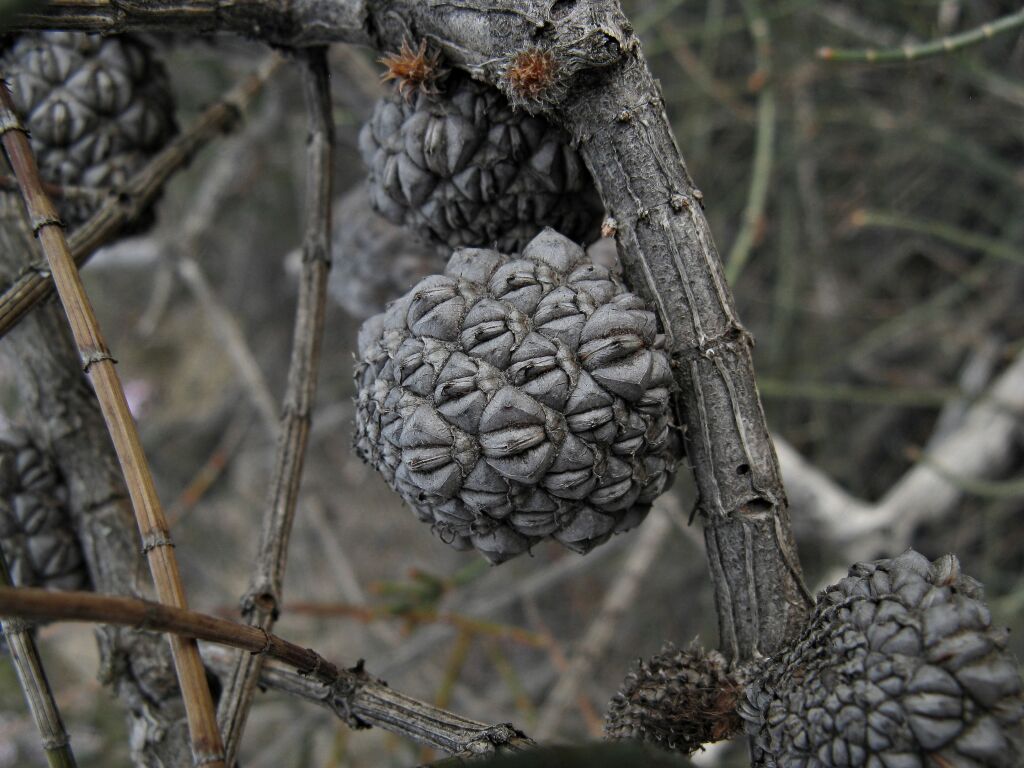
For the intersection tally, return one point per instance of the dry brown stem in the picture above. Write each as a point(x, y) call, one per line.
point(99, 365)
point(352, 694)
point(261, 603)
point(21, 646)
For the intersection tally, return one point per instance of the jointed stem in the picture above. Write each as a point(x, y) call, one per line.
point(933, 48)
point(32, 677)
point(261, 603)
point(99, 364)
point(352, 694)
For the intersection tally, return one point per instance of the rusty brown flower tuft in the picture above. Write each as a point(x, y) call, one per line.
point(413, 70)
point(532, 74)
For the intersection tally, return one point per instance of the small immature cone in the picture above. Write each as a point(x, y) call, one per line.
point(516, 398)
point(457, 164)
point(679, 699)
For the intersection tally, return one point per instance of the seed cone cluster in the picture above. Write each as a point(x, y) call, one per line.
point(96, 107)
point(679, 699)
point(899, 667)
point(457, 164)
point(374, 261)
point(517, 398)
point(38, 542)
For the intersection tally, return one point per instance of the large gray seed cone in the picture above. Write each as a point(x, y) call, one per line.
point(514, 399)
point(462, 168)
point(899, 667)
point(374, 261)
point(38, 542)
point(96, 108)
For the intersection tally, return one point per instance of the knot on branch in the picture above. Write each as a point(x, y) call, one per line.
point(344, 690)
point(491, 739)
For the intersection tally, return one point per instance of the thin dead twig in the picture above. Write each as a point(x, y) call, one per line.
point(99, 365)
point(28, 666)
point(360, 700)
point(121, 209)
point(261, 603)
point(619, 598)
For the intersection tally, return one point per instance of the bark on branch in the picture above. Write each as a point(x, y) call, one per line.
point(602, 91)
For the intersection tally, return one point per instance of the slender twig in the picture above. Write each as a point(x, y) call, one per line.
point(21, 647)
point(932, 48)
point(99, 365)
point(764, 146)
point(138, 193)
point(954, 235)
point(89, 195)
point(261, 603)
point(352, 694)
point(621, 596)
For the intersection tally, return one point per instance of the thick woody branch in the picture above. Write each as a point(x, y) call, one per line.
point(260, 604)
point(358, 699)
point(603, 92)
point(669, 255)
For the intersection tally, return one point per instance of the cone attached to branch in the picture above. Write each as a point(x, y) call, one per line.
point(898, 667)
point(450, 158)
point(96, 108)
point(517, 398)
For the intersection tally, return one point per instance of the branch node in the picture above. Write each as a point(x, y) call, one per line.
point(96, 356)
point(10, 122)
point(39, 222)
point(156, 538)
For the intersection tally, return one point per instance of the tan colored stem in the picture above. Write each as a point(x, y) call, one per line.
point(99, 365)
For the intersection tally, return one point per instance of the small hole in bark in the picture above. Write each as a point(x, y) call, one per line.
point(742, 469)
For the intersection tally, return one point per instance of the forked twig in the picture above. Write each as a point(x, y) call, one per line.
point(261, 603)
point(99, 365)
point(32, 678)
point(35, 284)
point(360, 700)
